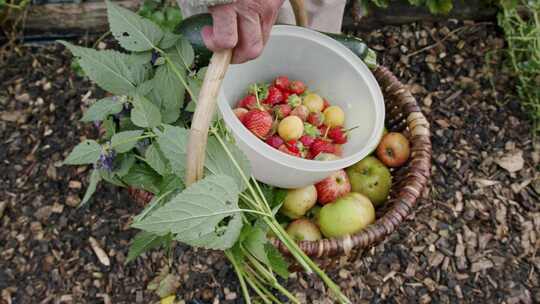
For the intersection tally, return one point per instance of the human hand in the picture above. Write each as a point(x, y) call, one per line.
point(244, 26)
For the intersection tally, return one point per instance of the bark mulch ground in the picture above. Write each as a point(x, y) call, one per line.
point(473, 238)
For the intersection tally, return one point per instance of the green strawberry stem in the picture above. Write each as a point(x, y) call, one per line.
point(272, 223)
point(259, 106)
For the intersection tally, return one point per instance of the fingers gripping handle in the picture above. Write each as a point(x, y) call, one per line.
point(207, 101)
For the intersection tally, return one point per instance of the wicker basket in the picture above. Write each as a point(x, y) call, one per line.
point(402, 114)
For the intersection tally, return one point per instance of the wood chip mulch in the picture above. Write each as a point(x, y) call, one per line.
point(474, 238)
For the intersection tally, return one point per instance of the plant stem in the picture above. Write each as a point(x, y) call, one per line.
point(259, 288)
point(240, 275)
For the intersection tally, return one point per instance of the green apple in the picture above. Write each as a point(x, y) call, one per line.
point(298, 201)
point(371, 178)
point(304, 230)
point(349, 214)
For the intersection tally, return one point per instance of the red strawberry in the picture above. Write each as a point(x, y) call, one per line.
point(259, 122)
point(240, 113)
point(338, 135)
point(307, 140)
point(274, 96)
point(282, 110)
point(333, 187)
point(301, 111)
point(283, 148)
point(286, 95)
point(282, 83)
point(326, 104)
point(275, 141)
point(316, 119)
point(292, 145)
point(297, 87)
point(320, 145)
point(249, 102)
point(338, 150)
point(323, 129)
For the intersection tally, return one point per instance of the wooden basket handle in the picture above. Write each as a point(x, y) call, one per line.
point(207, 101)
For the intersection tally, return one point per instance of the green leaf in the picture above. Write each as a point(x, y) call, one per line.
point(195, 87)
point(126, 161)
point(144, 113)
point(109, 69)
point(171, 182)
point(217, 161)
point(143, 177)
point(110, 127)
point(95, 178)
point(101, 109)
point(440, 6)
point(194, 216)
point(111, 178)
point(184, 51)
point(169, 90)
point(145, 88)
point(173, 143)
point(143, 242)
point(133, 32)
point(155, 159)
point(277, 262)
point(87, 152)
point(124, 141)
point(255, 241)
point(169, 40)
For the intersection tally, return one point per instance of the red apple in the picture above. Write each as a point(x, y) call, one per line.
point(333, 187)
point(394, 150)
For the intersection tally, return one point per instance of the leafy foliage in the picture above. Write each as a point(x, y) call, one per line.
point(520, 21)
point(434, 6)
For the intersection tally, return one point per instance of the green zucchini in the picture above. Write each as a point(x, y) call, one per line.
point(191, 27)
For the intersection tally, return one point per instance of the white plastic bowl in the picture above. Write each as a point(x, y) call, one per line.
point(328, 68)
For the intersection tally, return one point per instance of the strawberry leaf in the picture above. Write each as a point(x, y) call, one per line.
point(133, 32)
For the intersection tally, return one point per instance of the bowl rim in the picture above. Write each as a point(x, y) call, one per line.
point(298, 163)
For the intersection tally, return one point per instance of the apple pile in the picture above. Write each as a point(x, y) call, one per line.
point(293, 120)
point(344, 203)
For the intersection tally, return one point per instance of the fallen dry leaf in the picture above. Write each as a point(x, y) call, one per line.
point(100, 253)
point(512, 161)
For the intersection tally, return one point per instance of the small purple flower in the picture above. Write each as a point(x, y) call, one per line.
point(106, 160)
point(155, 57)
point(97, 124)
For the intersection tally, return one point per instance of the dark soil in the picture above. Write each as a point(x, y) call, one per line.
point(474, 238)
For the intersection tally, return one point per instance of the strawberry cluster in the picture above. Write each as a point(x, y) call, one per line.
point(293, 120)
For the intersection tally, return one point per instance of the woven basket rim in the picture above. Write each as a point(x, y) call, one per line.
point(406, 192)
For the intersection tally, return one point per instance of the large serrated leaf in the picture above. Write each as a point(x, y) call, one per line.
point(101, 109)
point(124, 141)
point(221, 240)
point(87, 152)
point(133, 32)
point(145, 114)
point(218, 162)
point(168, 89)
point(143, 242)
point(173, 143)
point(197, 213)
point(109, 69)
point(95, 178)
